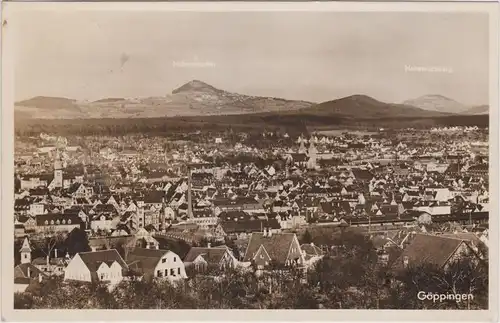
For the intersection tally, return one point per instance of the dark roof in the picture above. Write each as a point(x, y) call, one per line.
point(110, 208)
point(237, 201)
point(211, 255)
point(154, 197)
point(231, 215)
point(64, 219)
point(479, 167)
point(41, 191)
point(74, 187)
point(362, 174)
point(431, 249)
point(21, 271)
point(466, 236)
point(249, 225)
point(144, 261)
point(277, 246)
point(298, 157)
point(389, 210)
point(311, 250)
point(94, 259)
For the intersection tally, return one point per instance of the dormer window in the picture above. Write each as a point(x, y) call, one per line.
point(58, 222)
point(51, 221)
point(46, 222)
point(69, 221)
point(63, 221)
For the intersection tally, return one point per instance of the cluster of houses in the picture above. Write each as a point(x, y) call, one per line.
point(138, 262)
point(142, 199)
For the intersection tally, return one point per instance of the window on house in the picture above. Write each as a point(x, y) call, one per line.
point(46, 222)
point(69, 221)
point(175, 259)
point(159, 273)
point(51, 221)
point(102, 276)
point(25, 256)
point(166, 272)
point(172, 272)
point(163, 260)
point(179, 271)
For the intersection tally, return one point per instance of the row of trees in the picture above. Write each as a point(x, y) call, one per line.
point(333, 284)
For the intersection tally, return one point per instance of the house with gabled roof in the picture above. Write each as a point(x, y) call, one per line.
point(267, 249)
point(57, 222)
point(202, 258)
point(156, 263)
point(96, 266)
point(444, 249)
point(241, 229)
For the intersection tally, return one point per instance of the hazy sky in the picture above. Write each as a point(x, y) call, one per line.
point(308, 55)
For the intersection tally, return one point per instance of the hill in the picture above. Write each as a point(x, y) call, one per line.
point(437, 103)
point(362, 106)
point(40, 106)
point(481, 109)
point(191, 99)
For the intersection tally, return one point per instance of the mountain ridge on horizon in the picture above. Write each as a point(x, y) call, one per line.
point(197, 98)
point(441, 103)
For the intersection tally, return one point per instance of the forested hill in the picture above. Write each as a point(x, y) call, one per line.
point(248, 123)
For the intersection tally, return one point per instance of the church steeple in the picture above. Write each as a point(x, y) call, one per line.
point(25, 252)
point(302, 147)
point(311, 163)
point(58, 172)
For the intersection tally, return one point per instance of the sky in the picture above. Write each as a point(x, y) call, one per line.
point(314, 56)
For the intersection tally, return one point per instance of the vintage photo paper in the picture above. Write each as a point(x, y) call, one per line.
point(250, 161)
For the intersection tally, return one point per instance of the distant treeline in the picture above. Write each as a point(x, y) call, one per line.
point(249, 123)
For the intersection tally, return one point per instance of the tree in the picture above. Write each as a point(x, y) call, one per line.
point(77, 241)
point(306, 237)
point(50, 241)
point(23, 301)
point(460, 277)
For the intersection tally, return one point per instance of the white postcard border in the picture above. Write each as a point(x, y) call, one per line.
point(7, 188)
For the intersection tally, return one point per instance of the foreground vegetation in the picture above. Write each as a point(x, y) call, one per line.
point(349, 278)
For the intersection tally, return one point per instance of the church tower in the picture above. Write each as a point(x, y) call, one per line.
point(25, 252)
point(311, 163)
point(58, 172)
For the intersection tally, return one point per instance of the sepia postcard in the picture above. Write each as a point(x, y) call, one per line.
point(249, 161)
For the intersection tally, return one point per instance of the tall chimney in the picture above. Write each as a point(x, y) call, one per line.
point(28, 272)
point(55, 253)
point(190, 202)
point(209, 245)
